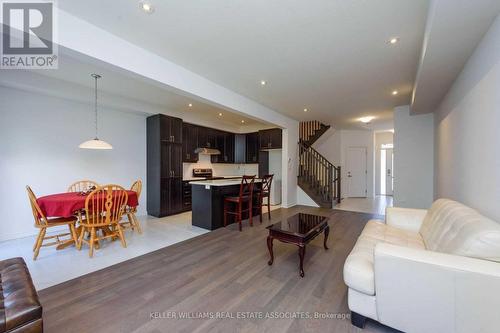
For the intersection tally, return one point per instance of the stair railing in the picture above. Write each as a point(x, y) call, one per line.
point(319, 174)
point(307, 129)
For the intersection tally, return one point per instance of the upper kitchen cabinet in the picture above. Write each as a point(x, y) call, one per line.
point(207, 137)
point(270, 139)
point(252, 147)
point(189, 143)
point(240, 148)
point(225, 144)
point(170, 129)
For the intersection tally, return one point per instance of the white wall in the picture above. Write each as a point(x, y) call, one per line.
point(413, 158)
point(329, 145)
point(380, 139)
point(467, 159)
point(39, 138)
point(304, 199)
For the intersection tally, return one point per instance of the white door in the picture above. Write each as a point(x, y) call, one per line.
point(356, 171)
point(389, 174)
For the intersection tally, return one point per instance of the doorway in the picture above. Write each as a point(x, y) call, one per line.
point(356, 172)
point(386, 170)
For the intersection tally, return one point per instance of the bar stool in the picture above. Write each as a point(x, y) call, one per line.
point(245, 196)
point(265, 192)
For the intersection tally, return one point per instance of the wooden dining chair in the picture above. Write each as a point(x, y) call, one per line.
point(133, 222)
point(264, 192)
point(82, 186)
point(43, 223)
point(104, 208)
point(245, 197)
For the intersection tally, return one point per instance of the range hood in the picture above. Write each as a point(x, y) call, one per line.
point(207, 151)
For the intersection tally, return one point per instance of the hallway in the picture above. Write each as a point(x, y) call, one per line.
point(374, 205)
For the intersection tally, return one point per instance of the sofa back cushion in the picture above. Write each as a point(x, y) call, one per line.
point(453, 228)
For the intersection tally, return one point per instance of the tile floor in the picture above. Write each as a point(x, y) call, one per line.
point(53, 267)
point(374, 205)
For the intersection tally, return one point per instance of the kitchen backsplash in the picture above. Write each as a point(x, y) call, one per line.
point(219, 169)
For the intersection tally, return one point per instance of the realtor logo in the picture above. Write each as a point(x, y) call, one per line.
point(28, 32)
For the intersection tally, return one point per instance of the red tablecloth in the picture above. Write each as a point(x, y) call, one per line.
point(66, 204)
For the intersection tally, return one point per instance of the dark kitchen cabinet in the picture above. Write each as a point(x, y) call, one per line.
point(171, 129)
point(252, 147)
point(207, 137)
point(240, 150)
point(164, 165)
point(186, 196)
point(270, 139)
point(225, 144)
point(189, 143)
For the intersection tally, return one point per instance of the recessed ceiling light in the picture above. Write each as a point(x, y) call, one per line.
point(220, 114)
point(242, 121)
point(365, 120)
point(306, 109)
point(146, 6)
point(263, 83)
point(190, 105)
point(393, 40)
point(395, 92)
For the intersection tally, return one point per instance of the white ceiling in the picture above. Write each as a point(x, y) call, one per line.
point(330, 56)
point(137, 94)
point(454, 28)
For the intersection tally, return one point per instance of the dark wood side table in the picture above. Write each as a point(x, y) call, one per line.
point(298, 229)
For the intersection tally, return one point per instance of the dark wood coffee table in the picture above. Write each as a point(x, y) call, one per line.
point(298, 229)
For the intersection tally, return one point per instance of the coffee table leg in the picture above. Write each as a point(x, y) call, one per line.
point(327, 232)
point(302, 253)
point(270, 248)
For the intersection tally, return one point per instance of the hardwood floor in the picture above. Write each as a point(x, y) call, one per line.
point(225, 270)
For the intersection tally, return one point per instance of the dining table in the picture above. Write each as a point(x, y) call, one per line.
point(70, 204)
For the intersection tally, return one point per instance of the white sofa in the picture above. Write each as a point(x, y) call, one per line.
point(435, 270)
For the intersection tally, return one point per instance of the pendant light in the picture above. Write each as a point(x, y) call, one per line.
point(95, 143)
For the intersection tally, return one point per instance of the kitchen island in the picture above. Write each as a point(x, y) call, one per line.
point(208, 201)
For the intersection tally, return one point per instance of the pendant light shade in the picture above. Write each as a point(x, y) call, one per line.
point(95, 143)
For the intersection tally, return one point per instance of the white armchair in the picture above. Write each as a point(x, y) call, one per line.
point(425, 271)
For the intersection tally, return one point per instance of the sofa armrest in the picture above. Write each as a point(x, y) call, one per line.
point(425, 291)
point(405, 218)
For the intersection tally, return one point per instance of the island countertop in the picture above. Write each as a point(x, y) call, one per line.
point(220, 182)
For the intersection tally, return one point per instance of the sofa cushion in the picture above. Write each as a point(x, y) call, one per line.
point(19, 303)
point(359, 271)
point(453, 228)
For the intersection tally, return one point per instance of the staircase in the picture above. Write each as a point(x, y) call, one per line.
point(310, 131)
point(319, 178)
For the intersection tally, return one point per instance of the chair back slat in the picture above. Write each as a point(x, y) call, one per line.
point(38, 215)
point(82, 186)
point(266, 183)
point(246, 186)
point(105, 205)
point(137, 187)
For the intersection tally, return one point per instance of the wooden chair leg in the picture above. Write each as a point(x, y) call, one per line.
point(225, 213)
point(250, 211)
point(80, 239)
point(269, 206)
point(39, 242)
point(36, 241)
point(72, 232)
point(239, 214)
point(137, 223)
point(261, 202)
point(91, 242)
point(120, 233)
